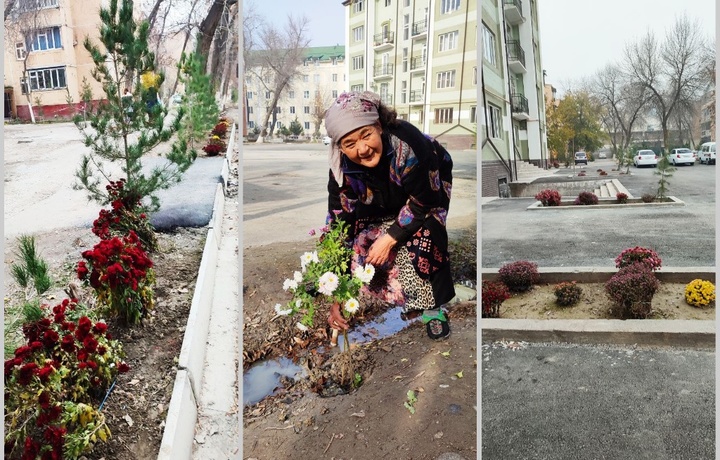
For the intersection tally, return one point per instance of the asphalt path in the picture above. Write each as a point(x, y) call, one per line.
point(39, 166)
point(285, 191)
point(557, 402)
point(683, 236)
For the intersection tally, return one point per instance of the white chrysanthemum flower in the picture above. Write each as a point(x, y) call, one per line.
point(289, 284)
point(298, 303)
point(314, 256)
point(297, 276)
point(279, 310)
point(305, 259)
point(369, 272)
point(364, 274)
point(301, 326)
point(328, 282)
point(351, 306)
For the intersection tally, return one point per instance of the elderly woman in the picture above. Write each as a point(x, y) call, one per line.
point(391, 184)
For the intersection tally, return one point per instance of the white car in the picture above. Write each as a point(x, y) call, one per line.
point(681, 156)
point(707, 153)
point(327, 140)
point(645, 158)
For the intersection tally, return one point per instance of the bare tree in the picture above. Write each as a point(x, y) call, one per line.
point(320, 104)
point(672, 71)
point(24, 20)
point(278, 56)
point(210, 24)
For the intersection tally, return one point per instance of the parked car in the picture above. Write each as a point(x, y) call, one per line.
point(581, 157)
point(645, 158)
point(602, 156)
point(681, 156)
point(327, 140)
point(707, 153)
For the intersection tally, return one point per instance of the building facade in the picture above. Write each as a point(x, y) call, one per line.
point(513, 128)
point(50, 61)
point(320, 79)
point(420, 56)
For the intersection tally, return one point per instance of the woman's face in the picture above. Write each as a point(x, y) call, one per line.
point(363, 146)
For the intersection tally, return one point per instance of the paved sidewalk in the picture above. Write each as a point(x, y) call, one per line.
point(217, 429)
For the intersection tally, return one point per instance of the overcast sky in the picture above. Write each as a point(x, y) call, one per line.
point(327, 17)
point(578, 37)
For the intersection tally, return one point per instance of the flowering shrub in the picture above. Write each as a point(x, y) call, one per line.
point(586, 198)
point(54, 382)
point(632, 289)
point(567, 294)
point(556, 164)
point(549, 197)
point(699, 293)
point(581, 173)
point(493, 295)
point(647, 198)
point(122, 276)
point(326, 271)
point(637, 254)
point(215, 146)
point(621, 197)
point(519, 276)
point(603, 173)
point(220, 129)
point(126, 213)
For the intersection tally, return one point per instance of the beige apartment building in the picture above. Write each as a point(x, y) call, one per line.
point(420, 56)
point(50, 62)
point(320, 79)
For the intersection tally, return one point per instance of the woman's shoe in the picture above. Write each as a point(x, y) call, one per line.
point(436, 323)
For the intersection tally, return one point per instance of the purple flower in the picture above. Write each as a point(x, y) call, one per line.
point(311, 232)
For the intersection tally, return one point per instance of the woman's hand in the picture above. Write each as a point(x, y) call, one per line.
point(336, 320)
point(379, 252)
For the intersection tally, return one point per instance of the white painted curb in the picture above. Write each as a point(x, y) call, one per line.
point(177, 441)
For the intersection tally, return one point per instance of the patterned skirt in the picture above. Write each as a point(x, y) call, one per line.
point(398, 281)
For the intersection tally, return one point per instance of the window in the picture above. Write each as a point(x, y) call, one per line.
point(356, 88)
point(405, 59)
point(495, 119)
point(47, 3)
point(46, 39)
point(489, 45)
point(267, 94)
point(306, 78)
point(403, 92)
point(248, 79)
point(251, 124)
point(334, 94)
point(358, 6)
point(448, 41)
point(334, 77)
point(359, 33)
point(448, 6)
point(292, 109)
point(407, 2)
point(291, 94)
point(444, 115)
point(278, 124)
point(473, 114)
point(44, 79)
point(249, 110)
point(266, 78)
point(305, 63)
point(406, 27)
point(446, 79)
point(20, 51)
point(249, 94)
point(307, 125)
point(277, 109)
point(316, 78)
point(306, 109)
point(317, 62)
point(358, 62)
point(475, 75)
point(388, 2)
point(306, 94)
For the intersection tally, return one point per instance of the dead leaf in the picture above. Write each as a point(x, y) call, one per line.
point(133, 382)
point(129, 420)
point(444, 353)
point(403, 360)
point(360, 414)
point(459, 374)
point(398, 377)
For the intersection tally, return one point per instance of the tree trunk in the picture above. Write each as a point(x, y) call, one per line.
point(153, 13)
point(210, 24)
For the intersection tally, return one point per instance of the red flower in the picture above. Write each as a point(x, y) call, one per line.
point(101, 350)
point(44, 400)
point(68, 326)
point(82, 270)
point(68, 343)
point(93, 365)
point(26, 373)
point(44, 373)
point(23, 352)
point(84, 324)
point(123, 367)
point(100, 327)
point(82, 355)
point(90, 344)
point(50, 338)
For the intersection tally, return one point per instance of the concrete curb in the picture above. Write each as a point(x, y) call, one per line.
point(177, 440)
point(602, 274)
point(611, 203)
point(676, 333)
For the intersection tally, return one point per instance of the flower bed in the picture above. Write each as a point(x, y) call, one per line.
point(608, 203)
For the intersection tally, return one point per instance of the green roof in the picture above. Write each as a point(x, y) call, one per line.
point(325, 52)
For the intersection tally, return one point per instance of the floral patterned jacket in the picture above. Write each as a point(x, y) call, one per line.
point(412, 183)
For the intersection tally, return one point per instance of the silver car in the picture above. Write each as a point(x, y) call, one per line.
point(681, 157)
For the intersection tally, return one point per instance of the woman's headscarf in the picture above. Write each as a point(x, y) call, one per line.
point(349, 112)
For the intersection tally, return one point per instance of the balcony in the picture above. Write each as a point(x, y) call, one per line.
point(416, 97)
point(386, 98)
point(417, 64)
point(385, 71)
point(513, 12)
point(419, 29)
point(516, 57)
point(384, 40)
point(519, 104)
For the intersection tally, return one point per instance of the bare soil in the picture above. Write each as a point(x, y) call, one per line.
point(539, 303)
point(323, 415)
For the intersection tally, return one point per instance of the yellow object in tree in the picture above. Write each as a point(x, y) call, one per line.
point(150, 80)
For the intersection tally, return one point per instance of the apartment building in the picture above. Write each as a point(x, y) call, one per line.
point(513, 129)
point(320, 78)
point(51, 60)
point(420, 56)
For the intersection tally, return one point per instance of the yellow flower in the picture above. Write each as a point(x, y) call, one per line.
point(699, 293)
